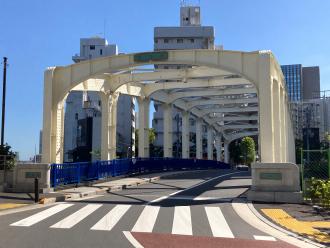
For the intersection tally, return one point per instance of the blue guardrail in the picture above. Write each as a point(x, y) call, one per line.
point(75, 173)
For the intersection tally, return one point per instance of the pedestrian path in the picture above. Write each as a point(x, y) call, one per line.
point(146, 219)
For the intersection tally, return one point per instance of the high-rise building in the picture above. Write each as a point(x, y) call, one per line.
point(311, 82)
point(82, 121)
point(189, 35)
point(303, 88)
point(294, 81)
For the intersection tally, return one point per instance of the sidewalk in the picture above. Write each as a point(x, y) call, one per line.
point(300, 219)
point(14, 200)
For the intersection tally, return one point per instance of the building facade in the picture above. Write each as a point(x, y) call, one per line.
point(294, 81)
point(307, 109)
point(82, 120)
point(189, 35)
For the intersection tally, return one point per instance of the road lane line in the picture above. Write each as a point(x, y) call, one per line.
point(191, 187)
point(147, 219)
point(182, 221)
point(33, 219)
point(132, 240)
point(111, 218)
point(76, 217)
point(268, 238)
point(218, 223)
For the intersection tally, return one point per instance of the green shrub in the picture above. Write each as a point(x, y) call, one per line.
point(319, 192)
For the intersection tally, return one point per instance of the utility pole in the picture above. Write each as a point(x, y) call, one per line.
point(3, 100)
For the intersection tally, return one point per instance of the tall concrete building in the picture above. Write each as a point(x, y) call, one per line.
point(82, 121)
point(189, 35)
point(311, 82)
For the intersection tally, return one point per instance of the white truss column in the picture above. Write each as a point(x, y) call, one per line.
point(52, 117)
point(266, 123)
point(284, 125)
point(277, 116)
point(199, 138)
point(218, 146)
point(226, 152)
point(209, 143)
point(109, 125)
point(185, 130)
point(167, 134)
point(144, 104)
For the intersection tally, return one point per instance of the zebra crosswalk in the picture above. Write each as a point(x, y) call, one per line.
point(145, 221)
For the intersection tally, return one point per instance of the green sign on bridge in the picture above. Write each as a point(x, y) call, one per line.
point(151, 56)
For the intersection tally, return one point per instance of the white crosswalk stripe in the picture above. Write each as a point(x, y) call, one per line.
point(111, 219)
point(33, 219)
point(218, 223)
point(182, 221)
point(147, 219)
point(76, 217)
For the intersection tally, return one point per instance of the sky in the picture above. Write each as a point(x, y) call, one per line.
point(36, 34)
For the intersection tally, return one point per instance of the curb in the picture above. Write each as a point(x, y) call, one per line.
point(72, 196)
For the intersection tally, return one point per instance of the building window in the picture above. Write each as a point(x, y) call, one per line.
point(179, 40)
point(92, 47)
point(156, 40)
point(101, 52)
point(76, 116)
point(192, 40)
point(165, 40)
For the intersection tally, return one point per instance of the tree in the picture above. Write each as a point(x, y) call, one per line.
point(247, 149)
point(235, 152)
point(152, 138)
point(7, 157)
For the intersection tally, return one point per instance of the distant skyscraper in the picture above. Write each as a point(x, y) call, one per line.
point(294, 84)
point(303, 88)
point(311, 82)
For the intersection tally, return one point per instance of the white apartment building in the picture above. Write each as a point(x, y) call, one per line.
point(189, 35)
point(82, 136)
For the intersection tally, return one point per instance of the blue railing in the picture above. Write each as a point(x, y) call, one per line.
point(75, 173)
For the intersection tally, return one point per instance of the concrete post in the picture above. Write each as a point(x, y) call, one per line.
point(49, 117)
point(199, 139)
point(109, 124)
point(226, 152)
point(218, 146)
point(277, 122)
point(284, 125)
point(266, 125)
point(143, 117)
point(185, 130)
point(209, 143)
point(167, 134)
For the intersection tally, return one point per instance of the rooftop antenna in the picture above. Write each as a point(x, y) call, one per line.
point(104, 27)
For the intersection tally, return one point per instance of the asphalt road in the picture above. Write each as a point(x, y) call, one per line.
point(188, 210)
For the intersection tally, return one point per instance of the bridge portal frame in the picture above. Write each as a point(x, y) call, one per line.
point(220, 67)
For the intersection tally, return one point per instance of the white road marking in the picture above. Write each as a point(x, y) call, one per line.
point(182, 221)
point(132, 240)
point(218, 223)
point(268, 238)
point(76, 217)
point(33, 219)
point(111, 218)
point(191, 187)
point(147, 219)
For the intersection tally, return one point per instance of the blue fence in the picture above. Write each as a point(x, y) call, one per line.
point(74, 173)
